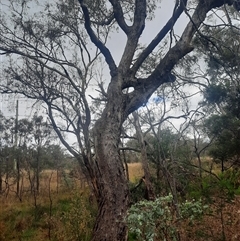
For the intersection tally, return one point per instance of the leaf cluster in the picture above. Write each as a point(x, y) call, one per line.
point(149, 220)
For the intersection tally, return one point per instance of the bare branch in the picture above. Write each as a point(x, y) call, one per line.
point(176, 14)
point(133, 36)
point(104, 50)
point(118, 14)
point(70, 149)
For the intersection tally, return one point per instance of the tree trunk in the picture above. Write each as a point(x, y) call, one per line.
point(18, 177)
point(149, 190)
point(111, 183)
point(37, 177)
point(1, 174)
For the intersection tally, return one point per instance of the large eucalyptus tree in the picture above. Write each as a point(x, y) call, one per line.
point(52, 53)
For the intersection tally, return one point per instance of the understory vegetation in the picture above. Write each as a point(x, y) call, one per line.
point(65, 209)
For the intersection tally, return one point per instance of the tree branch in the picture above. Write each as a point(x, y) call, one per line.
point(118, 14)
point(133, 36)
point(162, 73)
point(177, 13)
point(50, 114)
point(104, 50)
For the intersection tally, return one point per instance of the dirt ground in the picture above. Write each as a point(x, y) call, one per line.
point(221, 224)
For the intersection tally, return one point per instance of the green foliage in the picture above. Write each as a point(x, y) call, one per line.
point(229, 183)
point(136, 193)
point(163, 143)
point(225, 129)
point(192, 209)
point(28, 234)
point(215, 93)
point(19, 224)
point(222, 95)
point(221, 52)
point(225, 186)
point(151, 220)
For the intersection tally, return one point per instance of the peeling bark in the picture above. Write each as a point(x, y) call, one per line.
point(112, 185)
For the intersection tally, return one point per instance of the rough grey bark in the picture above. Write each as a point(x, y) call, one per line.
point(111, 181)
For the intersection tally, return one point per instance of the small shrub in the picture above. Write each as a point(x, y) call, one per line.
point(229, 183)
point(149, 219)
point(192, 209)
point(78, 220)
point(156, 220)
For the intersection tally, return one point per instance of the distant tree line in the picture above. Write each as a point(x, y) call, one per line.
point(27, 147)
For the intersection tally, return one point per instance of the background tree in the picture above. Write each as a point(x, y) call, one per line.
point(7, 152)
point(149, 190)
point(222, 92)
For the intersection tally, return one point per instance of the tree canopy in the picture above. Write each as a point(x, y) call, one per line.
point(54, 53)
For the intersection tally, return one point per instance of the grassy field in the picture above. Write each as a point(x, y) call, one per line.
point(62, 210)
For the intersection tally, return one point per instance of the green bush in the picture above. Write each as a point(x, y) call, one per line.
point(225, 185)
point(150, 220)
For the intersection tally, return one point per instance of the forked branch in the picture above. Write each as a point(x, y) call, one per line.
point(162, 33)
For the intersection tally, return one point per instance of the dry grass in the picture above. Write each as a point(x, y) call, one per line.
point(208, 164)
point(43, 217)
point(135, 171)
point(50, 180)
point(54, 182)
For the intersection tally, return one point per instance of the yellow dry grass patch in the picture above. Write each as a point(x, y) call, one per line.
point(208, 164)
point(135, 171)
point(54, 181)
